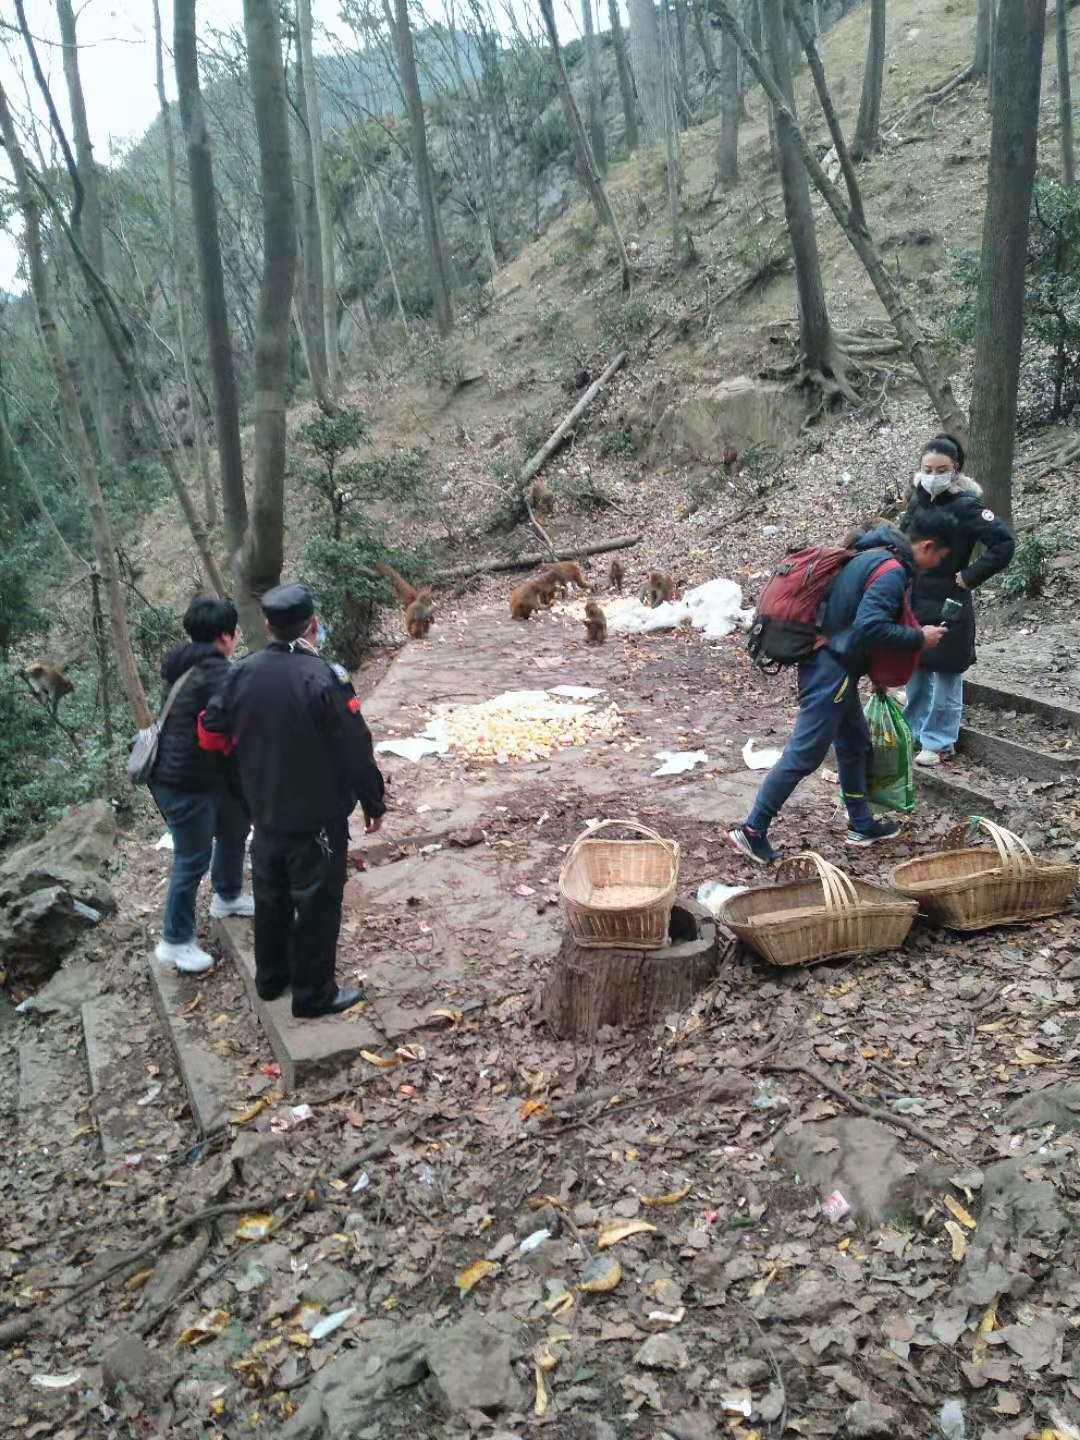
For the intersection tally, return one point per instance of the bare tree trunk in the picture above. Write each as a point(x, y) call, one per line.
point(671, 130)
point(729, 112)
point(180, 268)
point(867, 130)
point(39, 500)
point(680, 53)
point(312, 287)
point(107, 387)
point(984, 24)
point(626, 78)
point(704, 39)
point(400, 28)
point(214, 306)
point(265, 545)
point(388, 257)
point(815, 331)
point(851, 218)
point(999, 307)
point(592, 182)
point(322, 198)
point(594, 100)
point(645, 49)
point(1065, 109)
point(74, 426)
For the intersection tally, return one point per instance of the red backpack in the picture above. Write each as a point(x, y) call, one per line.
point(787, 623)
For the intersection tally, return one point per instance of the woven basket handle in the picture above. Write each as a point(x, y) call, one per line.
point(1014, 853)
point(629, 824)
point(840, 894)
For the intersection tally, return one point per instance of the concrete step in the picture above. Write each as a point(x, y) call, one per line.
point(947, 786)
point(207, 1077)
point(981, 689)
point(1008, 758)
point(117, 1069)
point(305, 1049)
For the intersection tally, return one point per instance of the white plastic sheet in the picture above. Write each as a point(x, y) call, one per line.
point(677, 762)
point(715, 608)
point(759, 759)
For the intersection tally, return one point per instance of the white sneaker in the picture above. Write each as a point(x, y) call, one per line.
point(188, 958)
point(224, 909)
point(929, 758)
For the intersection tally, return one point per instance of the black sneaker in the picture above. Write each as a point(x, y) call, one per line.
point(872, 834)
point(752, 844)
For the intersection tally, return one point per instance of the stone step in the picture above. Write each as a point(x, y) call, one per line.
point(305, 1049)
point(1009, 758)
point(207, 1078)
point(117, 1069)
point(979, 689)
point(968, 796)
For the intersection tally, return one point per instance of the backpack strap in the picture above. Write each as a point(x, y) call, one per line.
point(177, 686)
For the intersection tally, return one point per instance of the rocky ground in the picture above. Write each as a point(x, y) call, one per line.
point(829, 1201)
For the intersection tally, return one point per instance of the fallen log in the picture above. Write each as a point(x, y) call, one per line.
point(558, 435)
point(530, 561)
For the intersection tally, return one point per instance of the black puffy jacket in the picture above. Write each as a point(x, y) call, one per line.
point(976, 524)
point(180, 762)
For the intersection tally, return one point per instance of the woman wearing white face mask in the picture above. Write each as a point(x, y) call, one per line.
point(935, 692)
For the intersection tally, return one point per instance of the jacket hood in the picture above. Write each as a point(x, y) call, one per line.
point(183, 656)
point(885, 537)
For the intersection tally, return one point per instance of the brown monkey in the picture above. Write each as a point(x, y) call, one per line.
point(419, 606)
point(660, 587)
point(732, 463)
point(541, 497)
point(527, 598)
point(546, 585)
point(567, 573)
point(595, 623)
point(616, 575)
point(49, 683)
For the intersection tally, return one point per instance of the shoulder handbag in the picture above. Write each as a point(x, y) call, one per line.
point(143, 754)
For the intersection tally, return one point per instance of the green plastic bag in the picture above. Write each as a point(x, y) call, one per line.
point(891, 777)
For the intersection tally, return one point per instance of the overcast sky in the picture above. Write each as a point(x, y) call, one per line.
point(116, 60)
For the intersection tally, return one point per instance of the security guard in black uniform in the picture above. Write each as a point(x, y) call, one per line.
point(305, 759)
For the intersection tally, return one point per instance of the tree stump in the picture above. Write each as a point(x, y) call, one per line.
point(628, 988)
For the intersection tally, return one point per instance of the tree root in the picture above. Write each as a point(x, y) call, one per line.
point(1050, 456)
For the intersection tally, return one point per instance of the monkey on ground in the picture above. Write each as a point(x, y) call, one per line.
point(595, 623)
point(541, 497)
point(566, 573)
point(528, 597)
point(732, 461)
point(616, 575)
point(546, 586)
point(49, 683)
point(660, 587)
point(419, 606)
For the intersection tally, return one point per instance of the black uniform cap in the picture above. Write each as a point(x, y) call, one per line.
point(287, 605)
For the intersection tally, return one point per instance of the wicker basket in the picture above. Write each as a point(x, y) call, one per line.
point(821, 914)
point(973, 889)
point(617, 894)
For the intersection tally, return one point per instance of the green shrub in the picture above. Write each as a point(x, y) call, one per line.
point(618, 445)
point(347, 590)
point(1028, 572)
point(622, 323)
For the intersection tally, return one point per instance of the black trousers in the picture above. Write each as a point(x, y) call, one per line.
point(298, 881)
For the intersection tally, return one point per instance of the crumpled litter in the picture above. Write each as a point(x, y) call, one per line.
point(759, 759)
point(331, 1323)
point(714, 608)
point(834, 1207)
point(165, 843)
point(677, 762)
point(56, 1382)
point(715, 896)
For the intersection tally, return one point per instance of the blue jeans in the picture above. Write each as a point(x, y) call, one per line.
point(830, 712)
point(935, 703)
point(208, 832)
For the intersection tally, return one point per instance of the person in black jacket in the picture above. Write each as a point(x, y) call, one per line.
point(192, 789)
point(305, 760)
point(935, 692)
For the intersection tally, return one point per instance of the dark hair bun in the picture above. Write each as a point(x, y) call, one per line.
point(945, 444)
